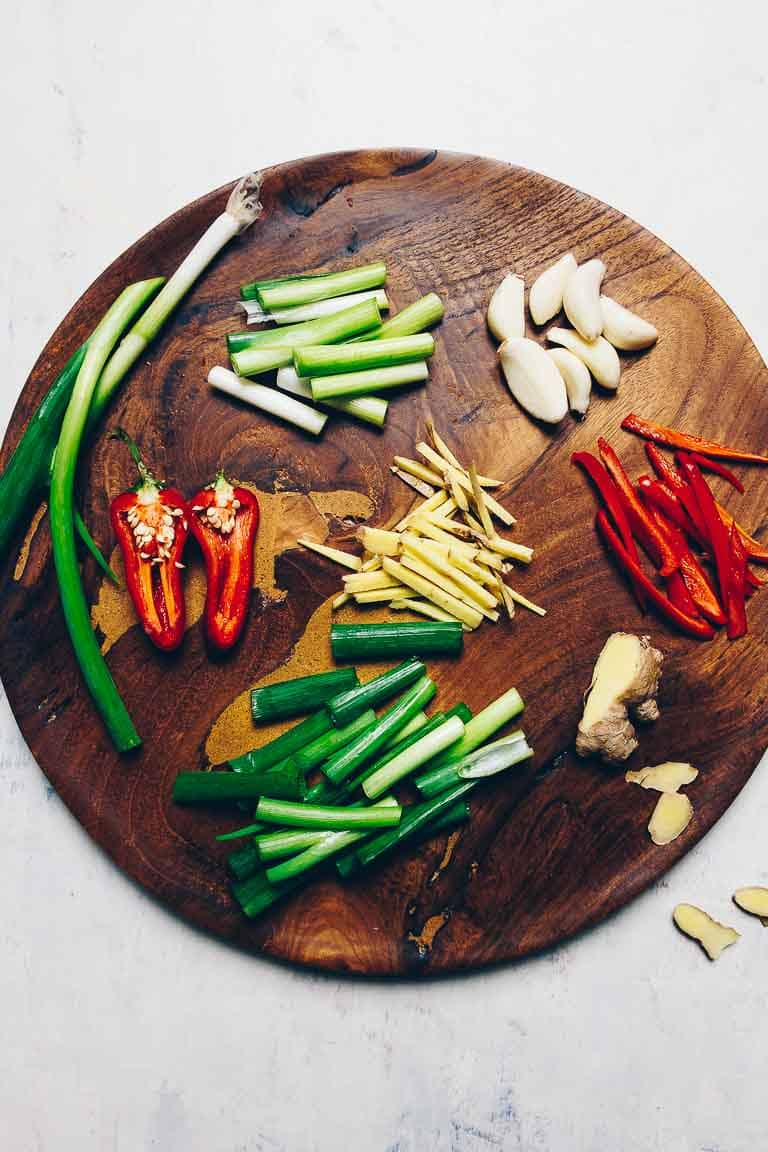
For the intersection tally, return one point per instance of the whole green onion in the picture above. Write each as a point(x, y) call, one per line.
point(347, 705)
point(74, 605)
point(301, 694)
point(348, 384)
point(242, 209)
point(384, 641)
point(82, 530)
point(319, 360)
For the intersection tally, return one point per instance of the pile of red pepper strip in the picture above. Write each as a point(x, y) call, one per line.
point(663, 515)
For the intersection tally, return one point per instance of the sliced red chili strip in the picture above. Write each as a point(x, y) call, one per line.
point(717, 534)
point(718, 468)
point(640, 519)
point(699, 628)
point(611, 497)
point(676, 439)
point(670, 504)
point(737, 614)
point(691, 573)
point(664, 469)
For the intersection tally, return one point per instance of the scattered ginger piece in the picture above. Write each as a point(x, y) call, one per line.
point(754, 901)
point(671, 816)
point(626, 676)
point(712, 935)
point(667, 777)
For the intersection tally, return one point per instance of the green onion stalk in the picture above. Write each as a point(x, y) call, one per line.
point(370, 409)
point(323, 360)
point(345, 385)
point(243, 208)
point(255, 352)
point(423, 313)
point(75, 607)
point(291, 291)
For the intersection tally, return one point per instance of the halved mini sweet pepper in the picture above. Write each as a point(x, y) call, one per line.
point(151, 523)
point(224, 521)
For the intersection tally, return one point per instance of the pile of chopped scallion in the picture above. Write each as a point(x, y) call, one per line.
point(329, 345)
point(324, 789)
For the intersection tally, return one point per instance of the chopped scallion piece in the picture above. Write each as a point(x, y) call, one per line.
point(254, 352)
point(283, 780)
point(407, 761)
point(291, 293)
point(423, 313)
point(329, 743)
point(317, 360)
point(371, 409)
point(302, 694)
point(485, 761)
point(324, 817)
point(331, 845)
point(350, 759)
point(347, 384)
point(268, 400)
point(386, 641)
point(303, 312)
point(347, 705)
point(259, 759)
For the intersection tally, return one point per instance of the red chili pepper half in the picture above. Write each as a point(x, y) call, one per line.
point(694, 626)
point(224, 521)
point(674, 439)
point(151, 523)
point(640, 519)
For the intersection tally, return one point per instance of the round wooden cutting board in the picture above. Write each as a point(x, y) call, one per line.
point(549, 850)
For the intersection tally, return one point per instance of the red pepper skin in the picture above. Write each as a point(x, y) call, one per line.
point(226, 541)
point(597, 473)
point(693, 626)
point(692, 575)
point(737, 614)
point(755, 551)
point(719, 469)
point(675, 439)
point(151, 548)
point(718, 537)
point(642, 522)
point(669, 504)
point(680, 596)
point(663, 468)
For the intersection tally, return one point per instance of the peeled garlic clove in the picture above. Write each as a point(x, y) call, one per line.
point(712, 935)
point(581, 299)
point(533, 379)
point(575, 374)
point(600, 357)
point(506, 308)
point(545, 298)
point(666, 777)
point(624, 329)
point(754, 901)
point(671, 816)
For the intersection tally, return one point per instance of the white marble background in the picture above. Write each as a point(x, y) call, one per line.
point(122, 1029)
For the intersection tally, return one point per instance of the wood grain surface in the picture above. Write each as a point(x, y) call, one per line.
point(550, 850)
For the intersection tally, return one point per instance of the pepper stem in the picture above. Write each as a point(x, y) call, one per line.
point(146, 477)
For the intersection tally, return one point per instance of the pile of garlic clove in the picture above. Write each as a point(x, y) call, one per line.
point(547, 382)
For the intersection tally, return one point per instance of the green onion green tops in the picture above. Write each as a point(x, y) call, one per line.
point(324, 360)
point(302, 694)
point(283, 746)
point(291, 292)
point(347, 705)
point(382, 641)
